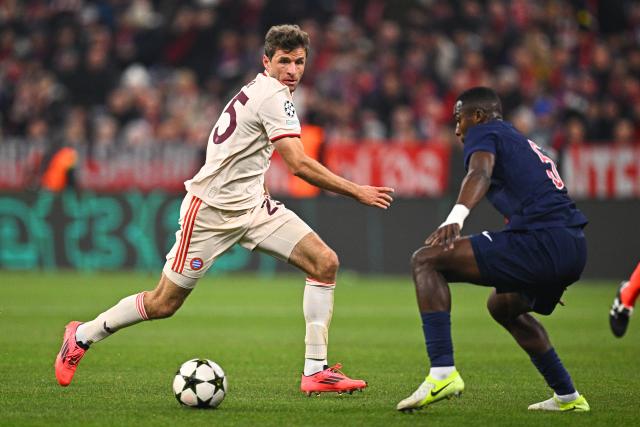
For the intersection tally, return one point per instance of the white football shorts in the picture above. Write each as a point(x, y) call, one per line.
point(206, 233)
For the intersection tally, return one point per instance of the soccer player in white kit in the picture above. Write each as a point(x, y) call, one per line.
point(227, 203)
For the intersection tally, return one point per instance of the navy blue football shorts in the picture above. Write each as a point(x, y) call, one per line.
point(537, 264)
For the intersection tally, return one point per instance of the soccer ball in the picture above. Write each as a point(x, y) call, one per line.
point(200, 383)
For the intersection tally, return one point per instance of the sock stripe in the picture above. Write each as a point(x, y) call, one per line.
point(187, 230)
point(140, 306)
point(314, 282)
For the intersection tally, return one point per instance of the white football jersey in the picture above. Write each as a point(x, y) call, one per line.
point(240, 145)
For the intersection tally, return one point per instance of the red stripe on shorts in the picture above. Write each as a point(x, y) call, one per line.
point(184, 258)
point(190, 232)
point(182, 237)
point(185, 226)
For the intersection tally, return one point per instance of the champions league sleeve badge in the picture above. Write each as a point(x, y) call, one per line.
point(289, 109)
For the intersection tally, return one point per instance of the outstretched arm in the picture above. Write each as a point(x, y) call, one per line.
point(474, 187)
point(303, 166)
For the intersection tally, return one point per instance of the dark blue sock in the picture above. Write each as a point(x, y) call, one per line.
point(437, 335)
point(554, 373)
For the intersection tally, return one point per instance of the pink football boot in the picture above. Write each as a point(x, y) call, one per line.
point(69, 355)
point(330, 380)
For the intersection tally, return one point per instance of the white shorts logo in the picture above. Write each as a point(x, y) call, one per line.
point(487, 235)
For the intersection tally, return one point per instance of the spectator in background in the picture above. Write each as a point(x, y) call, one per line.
point(96, 79)
point(37, 131)
point(386, 98)
point(403, 128)
point(76, 131)
point(523, 119)
point(145, 60)
point(59, 171)
point(105, 131)
point(572, 133)
point(624, 133)
point(372, 129)
point(602, 117)
point(542, 131)
point(137, 133)
point(120, 105)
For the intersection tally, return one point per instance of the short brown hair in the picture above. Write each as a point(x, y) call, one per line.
point(286, 37)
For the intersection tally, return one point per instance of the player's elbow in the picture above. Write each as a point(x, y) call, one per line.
point(480, 177)
point(299, 167)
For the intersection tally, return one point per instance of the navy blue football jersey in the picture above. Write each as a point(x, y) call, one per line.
point(525, 185)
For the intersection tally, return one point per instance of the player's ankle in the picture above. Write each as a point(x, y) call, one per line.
point(441, 372)
point(313, 366)
point(566, 398)
point(82, 345)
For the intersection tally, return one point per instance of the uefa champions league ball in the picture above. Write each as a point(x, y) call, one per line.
point(200, 383)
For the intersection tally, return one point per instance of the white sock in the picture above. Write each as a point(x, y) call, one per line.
point(312, 366)
point(127, 312)
point(564, 398)
point(317, 306)
point(441, 372)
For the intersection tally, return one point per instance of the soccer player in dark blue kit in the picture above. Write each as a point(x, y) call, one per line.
point(530, 263)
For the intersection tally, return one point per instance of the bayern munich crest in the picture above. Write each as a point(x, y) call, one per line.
point(289, 109)
point(196, 264)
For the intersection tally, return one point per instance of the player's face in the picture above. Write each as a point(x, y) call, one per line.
point(286, 67)
point(464, 120)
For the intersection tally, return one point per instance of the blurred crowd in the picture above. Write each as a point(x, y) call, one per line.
point(135, 72)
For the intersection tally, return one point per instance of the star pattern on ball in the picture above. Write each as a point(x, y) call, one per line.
point(217, 382)
point(190, 382)
point(195, 372)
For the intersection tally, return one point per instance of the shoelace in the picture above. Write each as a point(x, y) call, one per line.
point(73, 358)
point(336, 369)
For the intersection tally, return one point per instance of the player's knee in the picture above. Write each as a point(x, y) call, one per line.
point(327, 266)
point(502, 309)
point(497, 310)
point(422, 258)
point(167, 310)
point(159, 306)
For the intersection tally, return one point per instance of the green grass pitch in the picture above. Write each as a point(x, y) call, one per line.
point(253, 327)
